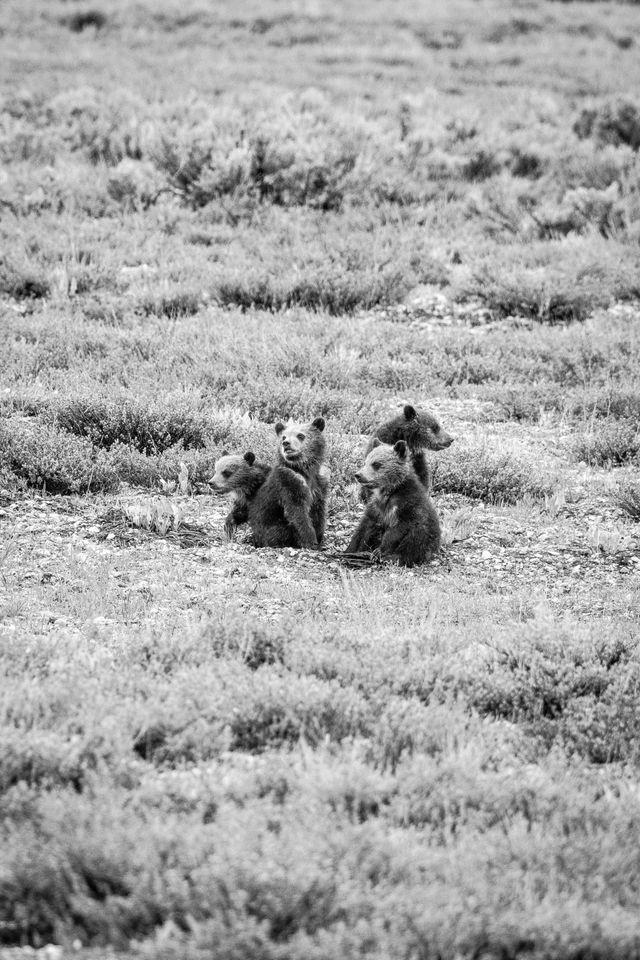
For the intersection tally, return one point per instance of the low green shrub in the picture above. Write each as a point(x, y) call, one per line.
point(283, 711)
point(555, 282)
point(605, 729)
point(537, 294)
point(617, 402)
point(333, 289)
point(173, 305)
point(609, 445)
point(248, 709)
point(45, 759)
point(479, 473)
point(22, 281)
point(136, 468)
point(149, 427)
point(573, 689)
point(41, 456)
point(253, 644)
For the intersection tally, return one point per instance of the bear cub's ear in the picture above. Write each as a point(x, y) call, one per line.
point(279, 428)
point(401, 449)
point(318, 423)
point(410, 412)
point(375, 443)
point(250, 457)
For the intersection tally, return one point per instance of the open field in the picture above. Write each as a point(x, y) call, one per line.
point(214, 215)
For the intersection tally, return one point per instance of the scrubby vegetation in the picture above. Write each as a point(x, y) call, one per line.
point(225, 215)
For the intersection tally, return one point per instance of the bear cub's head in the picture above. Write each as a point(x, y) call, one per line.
point(385, 467)
point(418, 428)
point(234, 471)
point(301, 445)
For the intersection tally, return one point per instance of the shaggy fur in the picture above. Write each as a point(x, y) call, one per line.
point(419, 430)
point(290, 509)
point(399, 521)
point(242, 477)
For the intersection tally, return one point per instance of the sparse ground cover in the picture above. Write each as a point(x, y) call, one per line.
point(213, 216)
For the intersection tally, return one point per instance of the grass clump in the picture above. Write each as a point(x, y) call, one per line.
point(628, 499)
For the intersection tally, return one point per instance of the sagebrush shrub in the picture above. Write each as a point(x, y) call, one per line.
point(134, 185)
point(82, 19)
point(285, 158)
point(615, 121)
point(106, 127)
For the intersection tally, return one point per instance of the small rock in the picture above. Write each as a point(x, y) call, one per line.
point(51, 952)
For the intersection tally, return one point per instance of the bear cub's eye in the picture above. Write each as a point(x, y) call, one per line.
point(226, 473)
point(376, 465)
point(301, 436)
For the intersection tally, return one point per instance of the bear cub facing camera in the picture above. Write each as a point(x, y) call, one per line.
point(399, 521)
point(290, 509)
point(243, 477)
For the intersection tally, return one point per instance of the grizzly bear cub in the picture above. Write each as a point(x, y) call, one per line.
point(243, 477)
point(399, 522)
point(290, 508)
point(419, 430)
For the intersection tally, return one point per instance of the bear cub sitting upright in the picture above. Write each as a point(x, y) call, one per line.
point(399, 522)
point(243, 477)
point(290, 508)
